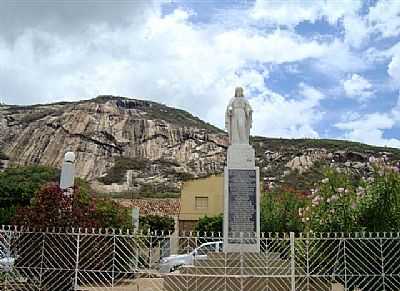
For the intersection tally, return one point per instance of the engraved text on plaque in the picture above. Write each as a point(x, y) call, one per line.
point(242, 202)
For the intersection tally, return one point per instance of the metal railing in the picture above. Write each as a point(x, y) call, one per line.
point(106, 259)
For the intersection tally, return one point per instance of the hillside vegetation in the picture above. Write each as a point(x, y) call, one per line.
point(162, 147)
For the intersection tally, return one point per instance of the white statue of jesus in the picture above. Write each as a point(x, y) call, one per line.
point(238, 118)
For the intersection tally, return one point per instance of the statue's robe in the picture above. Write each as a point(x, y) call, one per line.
point(238, 119)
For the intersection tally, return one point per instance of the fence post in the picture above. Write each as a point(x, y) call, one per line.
point(41, 260)
point(345, 263)
point(113, 259)
point(383, 264)
point(308, 259)
point(77, 260)
point(292, 263)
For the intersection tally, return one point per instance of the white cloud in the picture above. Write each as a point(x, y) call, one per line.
point(277, 47)
point(293, 12)
point(339, 59)
point(356, 30)
point(394, 69)
point(193, 66)
point(370, 129)
point(166, 59)
point(384, 18)
point(277, 116)
point(395, 112)
point(358, 88)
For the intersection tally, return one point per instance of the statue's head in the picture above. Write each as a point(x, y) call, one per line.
point(239, 92)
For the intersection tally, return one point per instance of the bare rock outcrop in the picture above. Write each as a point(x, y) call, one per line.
point(125, 144)
point(101, 130)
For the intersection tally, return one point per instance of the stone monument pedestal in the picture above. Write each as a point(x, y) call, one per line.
point(234, 272)
point(241, 200)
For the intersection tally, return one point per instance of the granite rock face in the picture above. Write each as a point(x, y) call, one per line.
point(106, 128)
point(156, 147)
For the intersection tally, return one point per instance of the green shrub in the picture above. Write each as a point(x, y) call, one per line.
point(156, 222)
point(379, 208)
point(343, 204)
point(333, 205)
point(279, 212)
point(6, 214)
point(18, 186)
point(117, 174)
point(184, 176)
point(111, 214)
point(210, 224)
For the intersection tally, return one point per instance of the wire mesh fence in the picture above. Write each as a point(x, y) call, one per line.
point(95, 259)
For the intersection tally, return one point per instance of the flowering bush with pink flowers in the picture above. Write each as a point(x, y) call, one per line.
point(341, 203)
point(333, 205)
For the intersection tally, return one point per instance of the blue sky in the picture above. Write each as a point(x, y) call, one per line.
point(320, 69)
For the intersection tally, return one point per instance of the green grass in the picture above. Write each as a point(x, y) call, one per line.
point(262, 144)
point(117, 174)
point(306, 180)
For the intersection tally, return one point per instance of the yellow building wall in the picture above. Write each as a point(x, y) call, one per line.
point(211, 187)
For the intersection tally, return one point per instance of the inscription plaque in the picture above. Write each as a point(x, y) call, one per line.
point(242, 187)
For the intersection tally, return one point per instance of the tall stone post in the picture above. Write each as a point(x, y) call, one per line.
point(241, 181)
point(67, 178)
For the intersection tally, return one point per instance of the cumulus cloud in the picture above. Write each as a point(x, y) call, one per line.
point(277, 116)
point(358, 88)
point(384, 18)
point(356, 30)
point(167, 59)
point(394, 69)
point(293, 12)
point(51, 50)
point(370, 129)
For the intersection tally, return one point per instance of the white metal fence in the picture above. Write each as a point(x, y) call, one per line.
point(82, 259)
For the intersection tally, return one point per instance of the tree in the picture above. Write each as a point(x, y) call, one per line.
point(210, 224)
point(18, 185)
point(51, 207)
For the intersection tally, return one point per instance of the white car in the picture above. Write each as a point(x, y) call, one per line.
point(173, 262)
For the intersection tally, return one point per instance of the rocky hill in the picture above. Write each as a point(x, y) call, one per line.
point(155, 147)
